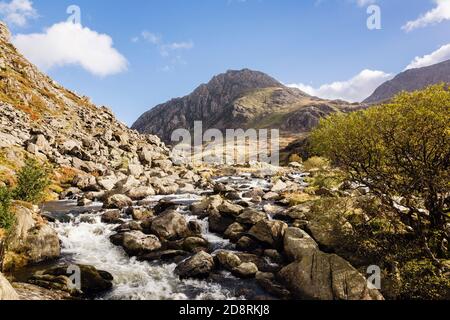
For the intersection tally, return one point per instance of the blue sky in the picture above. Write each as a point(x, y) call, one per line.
point(163, 49)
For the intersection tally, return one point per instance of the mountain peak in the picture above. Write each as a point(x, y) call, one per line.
point(245, 79)
point(411, 80)
point(238, 99)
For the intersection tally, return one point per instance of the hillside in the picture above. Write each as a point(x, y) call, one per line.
point(411, 80)
point(38, 117)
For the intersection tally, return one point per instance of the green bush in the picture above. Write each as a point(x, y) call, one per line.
point(32, 180)
point(398, 150)
point(316, 163)
point(7, 217)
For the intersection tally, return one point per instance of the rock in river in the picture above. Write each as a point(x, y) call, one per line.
point(199, 266)
point(138, 243)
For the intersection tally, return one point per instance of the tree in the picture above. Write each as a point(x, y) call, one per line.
point(7, 217)
point(32, 180)
point(400, 150)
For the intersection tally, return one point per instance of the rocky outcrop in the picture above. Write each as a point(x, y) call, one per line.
point(315, 275)
point(322, 276)
point(30, 241)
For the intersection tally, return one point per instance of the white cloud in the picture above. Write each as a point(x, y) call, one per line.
point(151, 37)
point(437, 15)
point(165, 49)
point(17, 12)
point(170, 51)
point(440, 55)
point(67, 43)
point(354, 90)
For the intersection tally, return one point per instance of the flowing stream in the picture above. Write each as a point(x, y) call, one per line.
point(85, 240)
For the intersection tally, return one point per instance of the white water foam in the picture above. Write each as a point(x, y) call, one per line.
point(88, 243)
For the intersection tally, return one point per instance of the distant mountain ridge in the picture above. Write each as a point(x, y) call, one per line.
point(240, 99)
point(411, 80)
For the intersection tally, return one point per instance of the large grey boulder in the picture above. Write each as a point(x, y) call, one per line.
point(270, 232)
point(322, 276)
point(118, 201)
point(138, 243)
point(199, 266)
point(30, 242)
point(170, 225)
point(298, 244)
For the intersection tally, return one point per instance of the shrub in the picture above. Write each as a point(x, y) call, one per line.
point(401, 149)
point(7, 217)
point(317, 163)
point(32, 180)
point(295, 158)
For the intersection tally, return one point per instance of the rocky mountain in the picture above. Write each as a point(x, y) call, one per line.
point(411, 80)
point(240, 99)
point(39, 117)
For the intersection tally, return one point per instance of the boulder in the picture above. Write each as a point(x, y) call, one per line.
point(267, 281)
point(85, 182)
point(7, 292)
point(30, 242)
point(247, 244)
point(194, 244)
point(138, 243)
point(165, 255)
point(230, 209)
point(135, 170)
point(228, 260)
point(219, 223)
point(234, 232)
point(271, 196)
point(139, 193)
point(245, 270)
point(165, 205)
point(298, 244)
point(118, 201)
point(328, 228)
point(92, 281)
point(198, 266)
point(111, 216)
point(146, 156)
point(270, 232)
point(322, 276)
point(206, 205)
point(140, 214)
point(107, 183)
point(251, 217)
point(170, 225)
point(129, 226)
point(279, 186)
